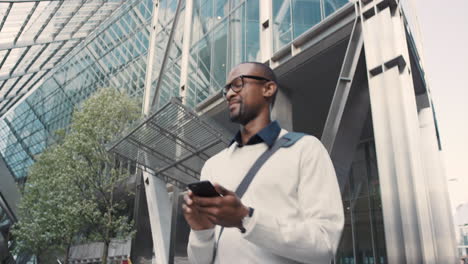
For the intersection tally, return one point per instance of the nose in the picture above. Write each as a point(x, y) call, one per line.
point(230, 93)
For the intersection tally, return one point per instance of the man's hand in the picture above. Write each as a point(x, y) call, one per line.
point(226, 210)
point(195, 219)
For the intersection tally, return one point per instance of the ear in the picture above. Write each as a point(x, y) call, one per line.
point(269, 89)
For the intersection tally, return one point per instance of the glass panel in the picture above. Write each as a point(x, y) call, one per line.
point(333, 5)
point(363, 239)
point(215, 52)
point(252, 31)
point(219, 57)
point(115, 55)
point(306, 14)
point(282, 24)
point(237, 37)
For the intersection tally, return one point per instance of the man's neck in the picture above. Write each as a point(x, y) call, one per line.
point(253, 127)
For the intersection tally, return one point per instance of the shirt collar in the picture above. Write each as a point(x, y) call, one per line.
point(268, 135)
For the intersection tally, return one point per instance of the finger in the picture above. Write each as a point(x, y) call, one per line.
point(207, 202)
point(190, 193)
point(221, 190)
point(187, 209)
point(187, 200)
point(210, 211)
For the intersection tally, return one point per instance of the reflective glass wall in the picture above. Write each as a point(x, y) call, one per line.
point(224, 33)
point(291, 18)
point(363, 238)
point(112, 56)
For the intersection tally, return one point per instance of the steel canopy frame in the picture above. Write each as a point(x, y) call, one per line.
point(172, 143)
point(55, 41)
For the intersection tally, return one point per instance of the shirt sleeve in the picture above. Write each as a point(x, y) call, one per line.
point(201, 242)
point(314, 237)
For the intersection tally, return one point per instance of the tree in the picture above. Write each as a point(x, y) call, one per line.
point(94, 171)
point(76, 188)
point(49, 209)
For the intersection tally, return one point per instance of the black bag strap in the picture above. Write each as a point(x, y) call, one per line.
point(284, 142)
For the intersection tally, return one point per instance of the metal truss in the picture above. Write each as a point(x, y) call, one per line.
point(55, 40)
point(172, 143)
point(19, 139)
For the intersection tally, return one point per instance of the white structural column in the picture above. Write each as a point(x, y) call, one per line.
point(437, 186)
point(283, 105)
point(150, 59)
point(159, 205)
point(409, 231)
point(185, 61)
point(266, 30)
point(184, 68)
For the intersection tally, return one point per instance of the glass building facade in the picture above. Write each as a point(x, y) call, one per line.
point(108, 45)
point(114, 55)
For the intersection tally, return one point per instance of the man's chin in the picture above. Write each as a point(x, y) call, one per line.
point(234, 118)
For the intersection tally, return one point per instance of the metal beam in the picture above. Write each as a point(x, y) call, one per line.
point(12, 86)
point(52, 54)
point(5, 58)
point(188, 156)
point(83, 22)
point(36, 57)
point(187, 39)
point(70, 18)
point(9, 105)
point(6, 98)
point(26, 1)
point(28, 43)
point(20, 74)
point(38, 117)
point(28, 17)
point(6, 16)
point(166, 54)
point(343, 86)
point(18, 62)
point(19, 139)
point(46, 23)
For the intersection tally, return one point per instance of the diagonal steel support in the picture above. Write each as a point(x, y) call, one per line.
point(345, 80)
point(6, 98)
point(52, 54)
point(8, 106)
point(166, 54)
point(51, 15)
point(29, 43)
point(91, 14)
point(19, 139)
point(36, 57)
point(77, 9)
point(31, 12)
point(6, 16)
point(5, 58)
point(18, 62)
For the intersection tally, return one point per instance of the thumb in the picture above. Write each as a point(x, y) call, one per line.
point(221, 190)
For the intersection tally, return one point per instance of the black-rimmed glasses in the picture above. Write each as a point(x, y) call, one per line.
point(238, 83)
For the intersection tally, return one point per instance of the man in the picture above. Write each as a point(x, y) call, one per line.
point(292, 211)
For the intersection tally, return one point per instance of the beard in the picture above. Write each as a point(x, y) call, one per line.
point(242, 114)
point(235, 115)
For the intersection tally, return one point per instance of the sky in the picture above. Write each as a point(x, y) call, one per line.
point(444, 34)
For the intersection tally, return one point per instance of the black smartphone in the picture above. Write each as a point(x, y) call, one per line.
point(203, 189)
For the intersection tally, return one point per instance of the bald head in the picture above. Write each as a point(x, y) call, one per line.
point(257, 69)
point(263, 69)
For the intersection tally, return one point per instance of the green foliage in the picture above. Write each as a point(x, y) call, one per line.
point(76, 188)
